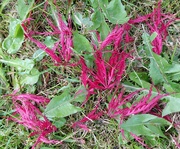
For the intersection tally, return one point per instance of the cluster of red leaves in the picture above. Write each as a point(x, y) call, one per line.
point(156, 22)
point(61, 52)
point(27, 114)
point(106, 75)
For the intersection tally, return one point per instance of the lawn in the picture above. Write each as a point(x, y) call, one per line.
point(89, 74)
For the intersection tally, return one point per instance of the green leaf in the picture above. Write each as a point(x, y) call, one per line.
point(97, 19)
point(145, 124)
point(49, 42)
point(138, 78)
point(84, 22)
point(15, 83)
point(104, 30)
point(21, 65)
point(78, 18)
point(172, 105)
point(158, 64)
point(81, 44)
point(153, 36)
point(80, 95)
point(89, 59)
point(59, 123)
point(161, 62)
point(24, 7)
point(173, 69)
point(38, 55)
point(30, 78)
point(15, 38)
point(155, 73)
point(115, 12)
point(94, 3)
point(60, 106)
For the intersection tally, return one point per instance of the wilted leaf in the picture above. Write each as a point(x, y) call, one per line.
point(145, 124)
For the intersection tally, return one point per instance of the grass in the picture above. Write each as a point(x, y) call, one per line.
point(52, 80)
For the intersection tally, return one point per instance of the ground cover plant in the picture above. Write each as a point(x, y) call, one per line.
point(89, 74)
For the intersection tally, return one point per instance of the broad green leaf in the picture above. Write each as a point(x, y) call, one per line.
point(155, 73)
point(60, 106)
point(145, 124)
point(24, 7)
point(84, 22)
point(14, 26)
point(97, 19)
point(173, 69)
point(20, 65)
point(176, 76)
point(78, 18)
point(175, 86)
point(94, 3)
point(158, 64)
point(81, 44)
point(15, 38)
point(30, 78)
point(138, 78)
point(104, 30)
point(115, 12)
point(161, 62)
point(153, 36)
point(89, 59)
point(59, 123)
point(168, 88)
point(49, 42)
point(80, 95)
point(38, 55)
point(172, 106)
